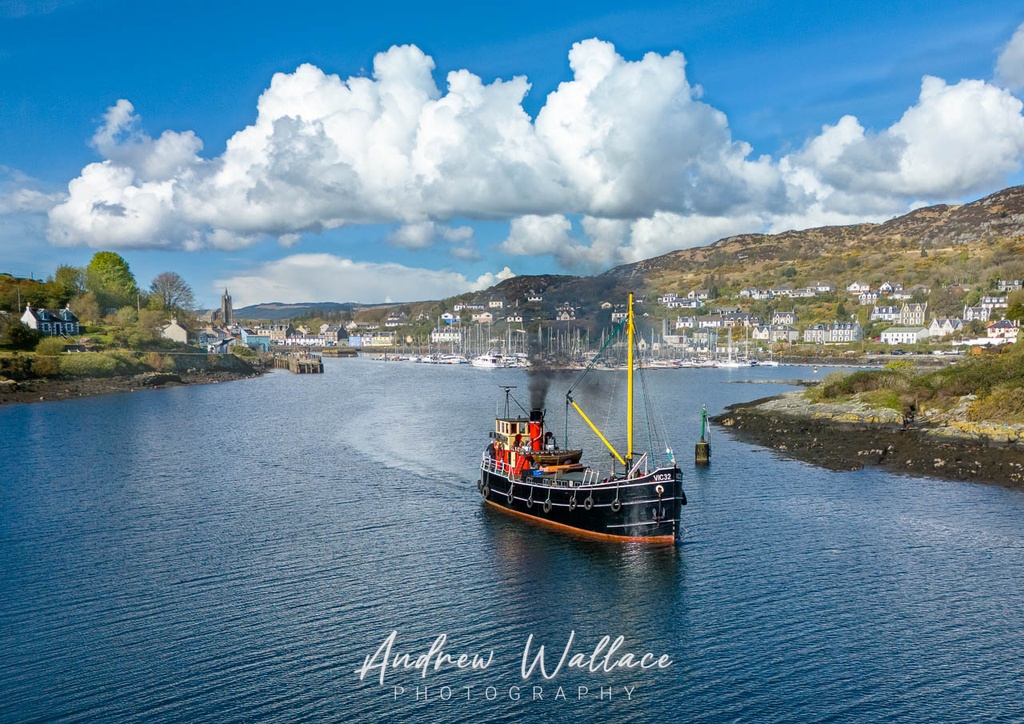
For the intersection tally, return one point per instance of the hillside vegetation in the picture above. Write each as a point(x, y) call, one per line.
point(987, 387)
point(939, 245)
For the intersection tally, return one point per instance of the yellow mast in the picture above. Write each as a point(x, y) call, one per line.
point(628, 460)
point(596, 431)
point(629, 382)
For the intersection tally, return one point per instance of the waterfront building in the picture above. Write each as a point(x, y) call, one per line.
point(845, 332)
point(783, 318)
point(945, 326)
point(980, 314)
point(904, 335)
point(913, 315)
point(816, 334)
point(174, 332)
point(885, 314)
point(1004, 330)
point(254, 340)
point(50, 323)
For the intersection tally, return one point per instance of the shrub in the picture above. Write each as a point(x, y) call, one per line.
point(51, 346)
point(99, 364)
point(1005, 404)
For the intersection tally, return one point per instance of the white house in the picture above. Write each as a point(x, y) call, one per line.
point(992, 303)
point(904, 335)
point(50, 323)
point(945, 326)
point(972, 314)
point(885, 314)
point(1004, 329)
point(174, 331)
point(858, 288)
point(445, 335)
point(845, 332)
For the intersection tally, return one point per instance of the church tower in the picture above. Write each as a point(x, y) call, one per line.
point(225, 308)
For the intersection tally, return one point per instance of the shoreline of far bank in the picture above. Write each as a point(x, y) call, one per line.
point(839, 438)
point(56, 389)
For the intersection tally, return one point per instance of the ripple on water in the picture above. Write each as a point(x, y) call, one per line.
point(232, 552)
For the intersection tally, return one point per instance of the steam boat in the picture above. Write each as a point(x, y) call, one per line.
point(524, 472)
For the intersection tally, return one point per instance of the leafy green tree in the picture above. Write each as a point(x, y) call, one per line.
point(944, 302)
point(110, 278)
point(86, 307)
point(69, 281)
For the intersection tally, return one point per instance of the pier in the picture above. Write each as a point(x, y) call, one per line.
point(300, 364)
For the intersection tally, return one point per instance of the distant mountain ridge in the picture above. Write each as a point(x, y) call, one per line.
point(279, 311)
point(948, 243)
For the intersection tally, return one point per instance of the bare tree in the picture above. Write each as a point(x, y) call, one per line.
point(173, 291)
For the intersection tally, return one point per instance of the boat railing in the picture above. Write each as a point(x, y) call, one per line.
point(589, 477)
point(496, 466)
point(642, 461)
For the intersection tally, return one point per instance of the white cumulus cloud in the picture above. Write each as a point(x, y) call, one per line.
point(626, 147)
point(310, 277)
point(956, 139)
point(1010, 65)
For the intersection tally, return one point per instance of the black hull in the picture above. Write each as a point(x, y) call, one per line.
point(619, 509)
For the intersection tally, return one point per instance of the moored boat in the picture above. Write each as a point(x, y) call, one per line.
point(525, 473)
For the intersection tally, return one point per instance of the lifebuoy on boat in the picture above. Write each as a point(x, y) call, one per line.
point(588, 502)
point(547, 505)
point(529, 500)
point(616, 505)
point(572, 502)
point(485, 490)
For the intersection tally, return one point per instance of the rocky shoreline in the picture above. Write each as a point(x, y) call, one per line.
point(53, 389)
point(852, 436)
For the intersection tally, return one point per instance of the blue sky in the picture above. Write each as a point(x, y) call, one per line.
point(368, 173)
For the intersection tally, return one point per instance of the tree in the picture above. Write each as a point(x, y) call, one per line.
point(69, 280)
point(172, 291)
point(944, 302)
point(15, 335)
point(86, 307)
point(110, 278)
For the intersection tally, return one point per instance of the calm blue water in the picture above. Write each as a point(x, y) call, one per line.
point(233, 552)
